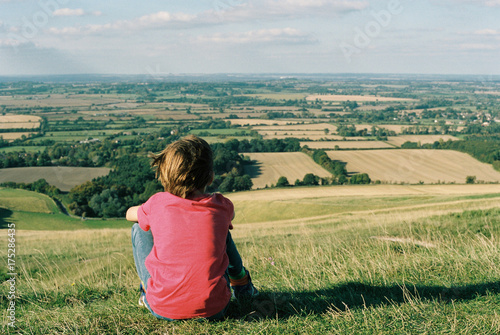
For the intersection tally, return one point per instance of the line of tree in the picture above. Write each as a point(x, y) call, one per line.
point(336, 168)
point(40, 186)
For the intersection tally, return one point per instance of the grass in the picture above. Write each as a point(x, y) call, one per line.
point(320, 208)
point(35, 211)
point(409, 266)
point(26, 201)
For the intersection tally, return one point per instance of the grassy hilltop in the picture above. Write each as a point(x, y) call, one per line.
point(385, 259)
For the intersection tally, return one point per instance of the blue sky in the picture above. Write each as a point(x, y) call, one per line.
point(249, 36)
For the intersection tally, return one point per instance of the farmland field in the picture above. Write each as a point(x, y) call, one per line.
point(423, 139)
point(298, 127)
point(330, 145)
point(400, 257)
point(361, 98)
point(307, 134)
point(13, 136)
point(62, 177)
point(259, 122)
point(413, 166)
point(19, 121)
point(270, 166)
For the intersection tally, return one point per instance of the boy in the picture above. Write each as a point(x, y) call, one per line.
point(183, 251)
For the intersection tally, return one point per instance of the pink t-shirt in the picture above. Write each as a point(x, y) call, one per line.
point(188, 259)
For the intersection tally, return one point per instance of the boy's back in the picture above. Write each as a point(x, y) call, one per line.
point(188, 259)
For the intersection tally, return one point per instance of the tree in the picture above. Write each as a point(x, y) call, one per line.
point(243, 183)
point(361, 178)
point(310, 179)
point(470, 179)
point(227, 184)
point(282, 182)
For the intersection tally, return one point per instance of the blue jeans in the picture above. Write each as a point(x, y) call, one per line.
point(142, 243)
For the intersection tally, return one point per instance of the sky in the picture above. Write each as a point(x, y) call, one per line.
point(154, 37)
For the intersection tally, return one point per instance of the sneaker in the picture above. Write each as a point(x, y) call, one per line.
point(141, 301)
point(142, 297)
point(245, 291)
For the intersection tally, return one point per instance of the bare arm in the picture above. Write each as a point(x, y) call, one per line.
point(132, 213)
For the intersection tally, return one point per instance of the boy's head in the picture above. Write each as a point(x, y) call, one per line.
point(184, 166)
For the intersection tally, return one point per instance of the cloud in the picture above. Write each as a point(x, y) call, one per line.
point(74, 12)
point(284, 9)
point(275, 36)
point(151, 21)
point(487, 3)
point(223, 12)
point(487, 32)
point(478, 46)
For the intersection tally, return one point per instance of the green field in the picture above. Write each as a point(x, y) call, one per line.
point(35, 211)
point(392, 264)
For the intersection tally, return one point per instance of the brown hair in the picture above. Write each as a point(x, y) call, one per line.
point(184, 166)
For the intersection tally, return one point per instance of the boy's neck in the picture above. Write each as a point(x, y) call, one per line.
point(197, 194)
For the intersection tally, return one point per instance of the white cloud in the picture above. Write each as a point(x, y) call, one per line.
point(237, 13)
point(487, 32)
point(491, 3)
point(279, 35)
point(487, 3)
point(285, 9)
point(69, 12)
point(74, 12)
point(8, 42)
point(150, 21)
point(478, 46)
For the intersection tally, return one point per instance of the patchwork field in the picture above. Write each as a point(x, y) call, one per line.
point(423, 139)
point(63, 178)
point(58, 100)
point(19, 121)
point(13, 136)
point(306, 134)
point(269, 167)
point(258, 122)
point(414, 166)
point(330, 145)
point(299, 127)
point(361, 98)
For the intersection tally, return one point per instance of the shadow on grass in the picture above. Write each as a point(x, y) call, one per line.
point(4, 214)
point(351, 296)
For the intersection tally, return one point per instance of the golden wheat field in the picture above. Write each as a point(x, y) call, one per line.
point(330, 145)
point(414, 166)
point(299, 127)
point(13, 136)
point(312, 135)
point(361, 98)
point(260, 122)
point(269, 167)
point(423, 139)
